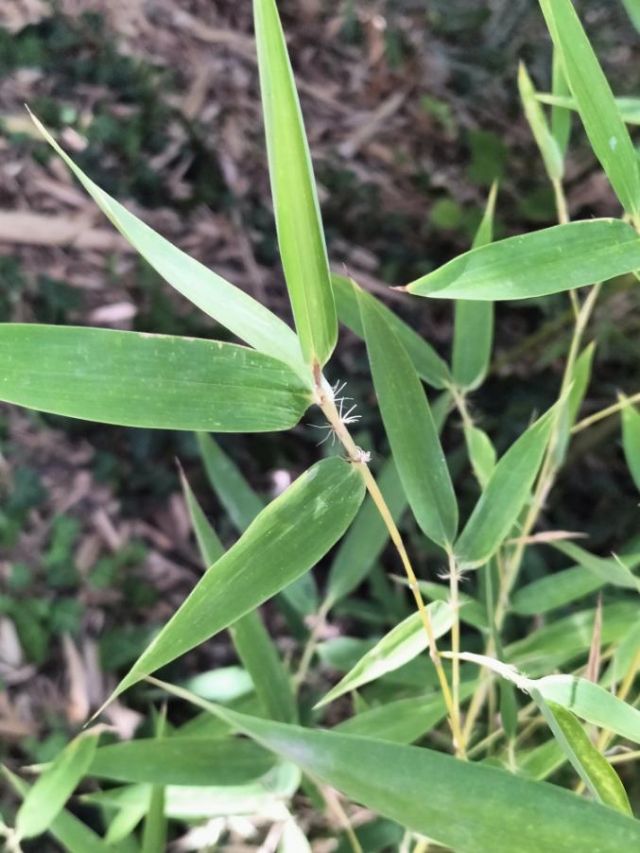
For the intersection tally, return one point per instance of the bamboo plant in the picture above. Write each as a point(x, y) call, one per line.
point(499, 717)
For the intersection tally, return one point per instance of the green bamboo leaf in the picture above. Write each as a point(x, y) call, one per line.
point(428, 365)
point(554, 591)
point(505, 495)
point(629, 108)
point(579, 379)
point(295, 200)
point(251, 640)
point(140, 380)
point(633, 11)
point(410, 429)
point(560, 115)
point(74, 835)
point(284, 541)
point(551, 260)
point(47, 796)
point(592, 767)
point(613, 571)
point(242, 505)
point(154, 833)
point(227, 304)
point(541, 761)
point(403, 720)
point(416, 787)
point(549, 149)
point(181, 761)
point(631, 440)
point(400, 645)
point(366, 539)
point(584, 698)
point(473, 326)
point(607, 132)
point(482, 453)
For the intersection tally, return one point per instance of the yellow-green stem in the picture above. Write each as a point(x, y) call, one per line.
point(605, 413)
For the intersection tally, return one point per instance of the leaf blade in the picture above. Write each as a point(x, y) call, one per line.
point(551, 260)
point(139, 380)
point(295, 200)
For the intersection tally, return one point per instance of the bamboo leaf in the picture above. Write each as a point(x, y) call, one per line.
point(549, 149)
point(606, 131)
point(505, 495)
point(631, 441)
point(633, 11)
point(591, 766)
point(629, 108)
point(551, 260)
point(410, 429)
point(181, 761)
point(243, 504)
point(47, 796)
point(560, 115)
point(613, 571)
point(554, 591)
point(142, 380)
point(400, 645)
point(284, 541)
point(580, 377)
point(295, 200)
point(72, 833)
point(227, 304)
point(251, 640)
point(473, 326)
point(482, 453)
point(427, 363)
point(416, 787)
point(154, 833)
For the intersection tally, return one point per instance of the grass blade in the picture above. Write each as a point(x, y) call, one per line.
point(549, 149)
point(410, 428)
point(427, 363)
point(607, 132)
point(282, 543)
point(594, 770)
point(295, 200)
point(473, 326)
point(251, 640)
point(560, 115)
point(417, 787)
point(227, 304)
point(46, 798)
point(142, 380)
point(242, 505)
point(400, 645)
point(551, 260)
point(505, 495)
point(482, 453)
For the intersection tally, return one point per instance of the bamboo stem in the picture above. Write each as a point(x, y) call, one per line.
point(605, 413)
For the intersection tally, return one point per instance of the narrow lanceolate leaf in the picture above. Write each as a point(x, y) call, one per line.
point(181, 761)
point(551, 154)
point(607, 132)
point(629, 108)
point(482, 453)
point(427, 363)
point(584, 698)
point(142, 380)
point(580, 377)
point(366, 539)
point(554, 591)
point(631, 441)
point(243, 504)
point(402, 644)
point(410, 429)
point(252, 642)
point(473, 326)
point(295, 200)
point(505, 495)
point(227, 304)
point(282, 543)
point(615, 571)
point(47, 796)
point(73, 834)
point(416, 787)
point(551, 260)
point(154, 832)
point(592, 767)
